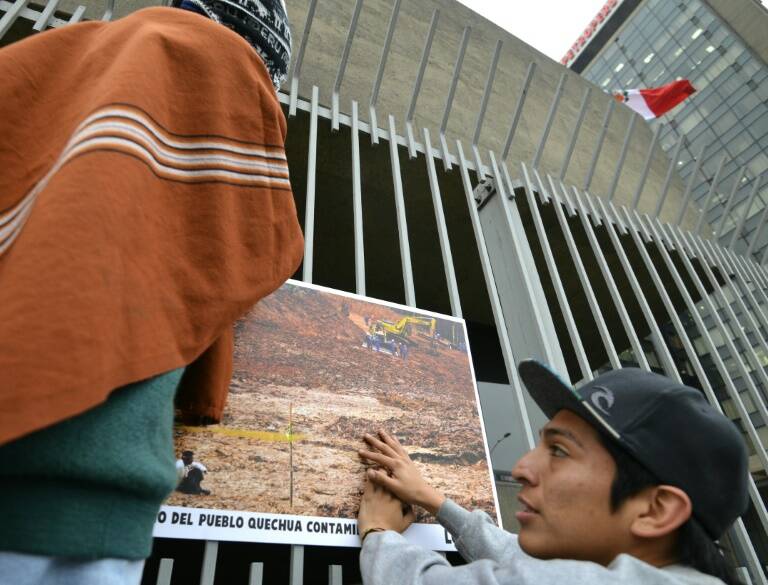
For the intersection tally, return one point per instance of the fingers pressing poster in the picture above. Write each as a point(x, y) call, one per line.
point(314, 370)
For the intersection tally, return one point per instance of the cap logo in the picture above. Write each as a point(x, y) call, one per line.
point(602, 400)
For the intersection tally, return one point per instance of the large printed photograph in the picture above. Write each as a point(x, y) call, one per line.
point(315, 369)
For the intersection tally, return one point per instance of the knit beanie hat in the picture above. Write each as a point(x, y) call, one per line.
point(263, 23)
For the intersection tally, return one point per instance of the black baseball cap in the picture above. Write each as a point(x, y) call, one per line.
point(669, 428)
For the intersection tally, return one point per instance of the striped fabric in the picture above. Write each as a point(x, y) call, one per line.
point(128, 130)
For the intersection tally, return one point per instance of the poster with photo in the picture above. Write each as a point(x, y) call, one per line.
point(315, 369)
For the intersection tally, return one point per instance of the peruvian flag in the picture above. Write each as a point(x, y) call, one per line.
point(657, 101)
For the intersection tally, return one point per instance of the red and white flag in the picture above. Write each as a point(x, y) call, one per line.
point(657, 101)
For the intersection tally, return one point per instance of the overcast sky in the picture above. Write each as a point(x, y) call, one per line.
point(551, 26)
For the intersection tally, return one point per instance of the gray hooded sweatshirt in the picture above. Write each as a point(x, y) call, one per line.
point(495, 558)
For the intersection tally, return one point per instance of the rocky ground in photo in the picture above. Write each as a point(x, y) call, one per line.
point(301, 352)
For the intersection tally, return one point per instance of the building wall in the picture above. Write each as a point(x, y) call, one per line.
point(725, 61)
point(747, 18)
point(329, 30)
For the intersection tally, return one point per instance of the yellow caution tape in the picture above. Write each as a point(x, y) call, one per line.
point(246, 434)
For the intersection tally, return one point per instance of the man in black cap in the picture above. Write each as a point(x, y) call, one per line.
point(634, 479)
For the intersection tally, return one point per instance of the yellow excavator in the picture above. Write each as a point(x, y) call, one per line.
point(402, 329)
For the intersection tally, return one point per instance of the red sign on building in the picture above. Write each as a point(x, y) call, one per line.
point(593, 27)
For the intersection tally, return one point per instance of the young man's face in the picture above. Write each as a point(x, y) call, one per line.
point(565, 496)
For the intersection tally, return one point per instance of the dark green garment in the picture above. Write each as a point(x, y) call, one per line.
point(91, 486)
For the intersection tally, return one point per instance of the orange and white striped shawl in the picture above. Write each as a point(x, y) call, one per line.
point(144, 206)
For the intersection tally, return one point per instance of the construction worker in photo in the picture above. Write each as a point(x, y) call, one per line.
point(190, 473)
point(634, 480)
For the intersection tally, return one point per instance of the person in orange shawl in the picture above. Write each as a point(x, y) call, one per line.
point(145, 205)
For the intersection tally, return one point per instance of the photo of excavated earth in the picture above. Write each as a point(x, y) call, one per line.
point(308, 383)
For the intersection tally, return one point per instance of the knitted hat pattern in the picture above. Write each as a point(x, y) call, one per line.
point(262, 23)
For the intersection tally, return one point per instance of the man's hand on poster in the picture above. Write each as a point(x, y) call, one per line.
point(380, 510)
point(399, 473)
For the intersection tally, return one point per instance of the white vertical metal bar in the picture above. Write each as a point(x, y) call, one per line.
point(668, 178)
point(77, 15)
point(711, 194)
point(479, 166)
point(613, 289)
point(402, 223)
point(586, 285)
point(569, 205)
point(422, 65)
point(373, 124)
point(493, 295)
point(693, 357)
point(517, 235)
point(759, 271)
point(256, 574)
point(751, 387)
point(6, 22)
point(210, 554)
point(726, 265)
point(455, 78)
point(380, 71)
point(622, 156)
point(599, 144)
point(614, 218)
point(451, 94)
point(487, 92)
point(419, 81)
point(740, 226)
point(575, 133)
point(550, 118)
point(309, 210)
point(357, 205)
point(656, 337)
point(343, 65)
point(334, 575)
point(164, 572)
point(109, 11)
point(296, 574)
point(691, 181)
point(743, 574)
point(729, 203)
point(727, 376)
point(300, 58)
point(45, 16)
point(518, 110)
point(750, 272)
point(557, 283)
point(590, 207)
point(698, 249)
point(646, 168)
point(445, 152)
point(758, 231)
point(543, 191)
point(751, 276)
point(442, 229)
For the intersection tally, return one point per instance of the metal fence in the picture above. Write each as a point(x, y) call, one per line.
point(652, 277)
